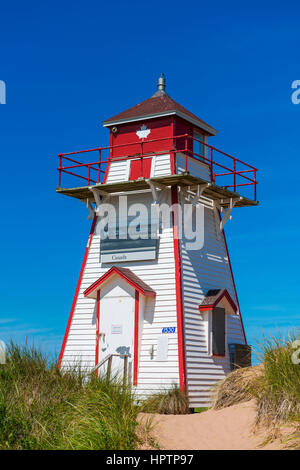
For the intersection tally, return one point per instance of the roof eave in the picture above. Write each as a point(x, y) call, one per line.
point(196, 123)
point(211, 306)
point(91, 291)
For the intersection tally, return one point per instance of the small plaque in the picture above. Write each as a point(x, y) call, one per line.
point(116, 329)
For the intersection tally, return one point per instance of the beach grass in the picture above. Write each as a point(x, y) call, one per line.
point(43, 408)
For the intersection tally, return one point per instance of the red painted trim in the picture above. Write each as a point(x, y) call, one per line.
point(173, 154)
point(109, 157)
point(179, 302)
point(136, 336)
point(173, 163)
point(106, 172)
point(217, 301)
point(110, 272)
point(97, 329)
point(204, 308)
point(234, 286)
point(125, 151)
point(228, 297)
point(140, 168)
point(77, 291)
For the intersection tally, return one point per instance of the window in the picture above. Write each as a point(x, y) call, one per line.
point(199, 149)
point(218, 331)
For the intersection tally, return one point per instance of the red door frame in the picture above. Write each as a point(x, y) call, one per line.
point(135, 329)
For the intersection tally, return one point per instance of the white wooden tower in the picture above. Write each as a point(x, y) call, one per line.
point(163, 305)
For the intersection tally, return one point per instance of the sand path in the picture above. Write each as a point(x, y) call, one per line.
point(230, 428)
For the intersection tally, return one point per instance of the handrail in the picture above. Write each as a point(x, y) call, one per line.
point(141, 151)
point(108, 359)
point(101, 362)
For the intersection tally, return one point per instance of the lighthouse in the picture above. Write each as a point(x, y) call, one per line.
point(156, 301)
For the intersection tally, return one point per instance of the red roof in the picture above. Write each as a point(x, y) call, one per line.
point(159, 104)
point(213, 298)
point(125, 274)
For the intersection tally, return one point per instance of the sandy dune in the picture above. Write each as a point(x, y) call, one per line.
point(229, 428)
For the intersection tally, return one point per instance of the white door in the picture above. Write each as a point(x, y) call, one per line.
point(116, 332)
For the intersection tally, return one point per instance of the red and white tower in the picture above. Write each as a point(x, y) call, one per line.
point(162, 307)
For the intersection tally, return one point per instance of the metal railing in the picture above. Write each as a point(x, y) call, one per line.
point(221, 165)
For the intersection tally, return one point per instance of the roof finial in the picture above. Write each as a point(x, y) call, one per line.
point(161, 84)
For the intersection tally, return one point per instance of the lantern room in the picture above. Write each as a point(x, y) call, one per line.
point(154, 127)
point(155, 138)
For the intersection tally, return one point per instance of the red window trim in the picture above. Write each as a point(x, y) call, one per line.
point(203, 308)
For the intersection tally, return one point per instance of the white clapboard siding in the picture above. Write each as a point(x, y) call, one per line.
point(205, 269)
point(118, 171)
point(201, 270)
point(161, 165)
point(194, 167)
point(161, 312)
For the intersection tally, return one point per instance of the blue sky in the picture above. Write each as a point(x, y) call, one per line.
point(70, 65)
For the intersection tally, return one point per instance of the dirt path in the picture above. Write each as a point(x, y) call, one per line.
point(229, 428)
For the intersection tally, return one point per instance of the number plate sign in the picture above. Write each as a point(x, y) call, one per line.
point(168, 329)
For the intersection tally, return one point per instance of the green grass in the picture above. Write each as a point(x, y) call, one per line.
point(42, 408)
point(278, 394)
point(275, 384)
point(169, 401)
point(201, 409)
